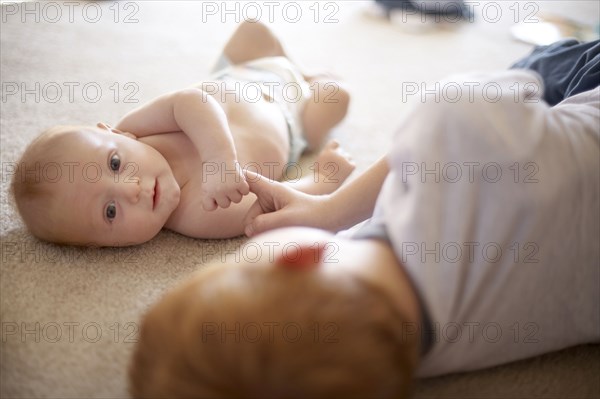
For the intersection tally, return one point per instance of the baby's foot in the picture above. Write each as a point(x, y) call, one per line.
point(333, 165)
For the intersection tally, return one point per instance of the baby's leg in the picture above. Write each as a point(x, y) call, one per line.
point(250, 41)
point(330, 170)
point(327, 106)
point(329, 100)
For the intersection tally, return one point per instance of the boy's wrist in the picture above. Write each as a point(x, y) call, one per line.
point(327, 214)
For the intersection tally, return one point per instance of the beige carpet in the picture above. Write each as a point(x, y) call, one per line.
point(69, 315)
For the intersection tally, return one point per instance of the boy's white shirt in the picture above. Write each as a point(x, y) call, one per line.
point(542, 293)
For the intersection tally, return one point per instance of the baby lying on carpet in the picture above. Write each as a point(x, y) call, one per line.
point(177, 162)
point(302, 313)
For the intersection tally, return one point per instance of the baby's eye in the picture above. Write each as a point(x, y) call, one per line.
point(115, 163)
point(111, 211)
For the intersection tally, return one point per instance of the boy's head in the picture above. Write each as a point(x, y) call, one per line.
point(93, 186)
point(270, 327)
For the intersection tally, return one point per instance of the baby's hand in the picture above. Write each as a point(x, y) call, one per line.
point(278, 205)
point(222, 184)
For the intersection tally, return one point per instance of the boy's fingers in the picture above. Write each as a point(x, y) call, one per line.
point(267, 212)
point(254, 211)
point(258, 184)
point(271, 194)
point(265, 222)
point(259, 213)
point(256, 227)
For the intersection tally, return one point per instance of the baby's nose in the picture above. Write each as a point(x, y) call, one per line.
point(132, 189)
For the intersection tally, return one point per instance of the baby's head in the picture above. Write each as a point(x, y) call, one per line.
point(271, 327)
point(93, 186)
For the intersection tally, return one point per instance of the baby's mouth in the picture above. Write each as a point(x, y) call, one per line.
point(156, 195)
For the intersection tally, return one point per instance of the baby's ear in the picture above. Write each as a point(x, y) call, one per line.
point(301, 256)
point(116, 131)
point(130, 135)
point(104, 126)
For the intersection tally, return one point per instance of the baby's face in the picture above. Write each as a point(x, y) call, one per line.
point(119, 191)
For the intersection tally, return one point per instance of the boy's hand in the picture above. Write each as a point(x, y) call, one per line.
point(223, 183)
point(278, 205)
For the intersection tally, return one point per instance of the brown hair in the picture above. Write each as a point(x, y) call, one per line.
point(32, 184)
point(251, 331)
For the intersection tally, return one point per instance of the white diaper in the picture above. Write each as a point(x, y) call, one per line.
point(280, 82)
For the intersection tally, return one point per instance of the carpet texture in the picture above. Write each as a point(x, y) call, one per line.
point(69, 315)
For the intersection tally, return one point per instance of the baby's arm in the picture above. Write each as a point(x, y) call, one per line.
point(278, 205)
point(192, 220)
point(203, 120)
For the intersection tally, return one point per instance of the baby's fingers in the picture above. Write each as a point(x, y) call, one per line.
point(235, 197)
point(223, 201)
point(244, 188)
point(209, 204)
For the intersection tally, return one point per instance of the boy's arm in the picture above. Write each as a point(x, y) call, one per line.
point(354, 202)
point(203, 120)
point(279, 205)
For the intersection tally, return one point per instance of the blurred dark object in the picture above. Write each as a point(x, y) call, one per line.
point(452, 9)
point(567, 67)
